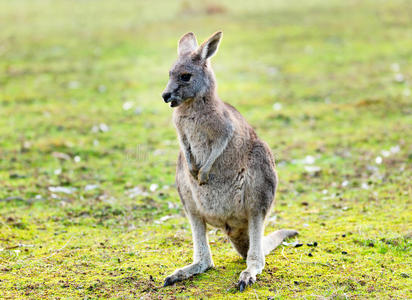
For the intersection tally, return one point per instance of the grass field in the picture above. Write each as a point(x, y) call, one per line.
point(88, 206)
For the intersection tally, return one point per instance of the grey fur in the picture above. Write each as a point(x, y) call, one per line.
point(225, 174)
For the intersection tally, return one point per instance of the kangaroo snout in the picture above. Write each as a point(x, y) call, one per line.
point(172, 98)
point(166, 96)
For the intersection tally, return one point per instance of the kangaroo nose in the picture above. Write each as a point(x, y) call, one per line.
point(166, 96)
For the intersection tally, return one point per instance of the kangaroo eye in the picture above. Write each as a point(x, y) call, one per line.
point(185, 77)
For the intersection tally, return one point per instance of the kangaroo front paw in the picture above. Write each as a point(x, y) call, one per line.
point(194, 172)
point(193, 169)
point(245, 279)
point(203, 176)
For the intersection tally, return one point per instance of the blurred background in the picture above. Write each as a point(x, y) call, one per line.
point(88, 205)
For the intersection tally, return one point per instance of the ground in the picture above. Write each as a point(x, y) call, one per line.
point(88, 205)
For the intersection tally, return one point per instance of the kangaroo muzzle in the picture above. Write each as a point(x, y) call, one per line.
point(166, 97)
point(171, 98)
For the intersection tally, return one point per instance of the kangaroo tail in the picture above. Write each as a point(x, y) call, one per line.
point(274, 239)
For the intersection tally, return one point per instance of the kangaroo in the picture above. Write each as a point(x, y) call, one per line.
point(225, 174)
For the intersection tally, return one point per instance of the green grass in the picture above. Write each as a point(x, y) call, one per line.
point(342, 72)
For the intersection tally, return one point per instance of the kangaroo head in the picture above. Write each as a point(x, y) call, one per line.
point(191, 76)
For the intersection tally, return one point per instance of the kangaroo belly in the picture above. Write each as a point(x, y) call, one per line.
point(221, 201)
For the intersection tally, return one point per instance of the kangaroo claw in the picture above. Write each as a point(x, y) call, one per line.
point(242, 286)
point(169, 281)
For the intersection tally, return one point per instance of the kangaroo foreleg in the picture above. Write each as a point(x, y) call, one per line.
point(218, 147)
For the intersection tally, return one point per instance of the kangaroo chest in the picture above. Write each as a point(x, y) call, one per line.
point(196, 138)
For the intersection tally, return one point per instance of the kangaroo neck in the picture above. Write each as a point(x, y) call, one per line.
point(200, 104)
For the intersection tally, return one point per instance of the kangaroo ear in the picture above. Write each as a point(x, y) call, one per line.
point(187, 44)
point(210, 46)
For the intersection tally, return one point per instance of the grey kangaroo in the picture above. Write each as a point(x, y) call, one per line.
point(225, 174)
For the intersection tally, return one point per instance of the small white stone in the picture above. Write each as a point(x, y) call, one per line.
point(378, 160)
point(95, 129)
point(399, 77)
point(163, 219)
point(277, 106)
point(172, 205)
point(309, 159)
point(385, 153)
point(103, 127)
point(61, 189)
point(312, 169)
point(159, 152)
point(365, 186)
point(153, 187)
point(136, 191)
point(90, 187)
point(395, 149)
point(127, 105)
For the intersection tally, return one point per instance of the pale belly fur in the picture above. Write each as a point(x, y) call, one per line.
point(221, 201)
